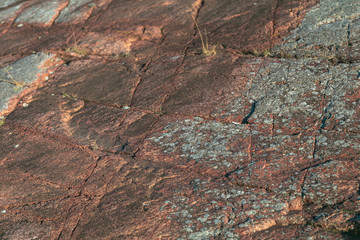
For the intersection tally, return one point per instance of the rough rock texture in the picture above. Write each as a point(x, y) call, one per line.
point(127, 130)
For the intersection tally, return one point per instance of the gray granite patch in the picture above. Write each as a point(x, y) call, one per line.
point(7, 3)
point(326, 184)
point(24, 71)
point(299, 94)
point(244, 209)
point(74, 11)
point(9, 14)
point(330, 30)
point(204, 142)
point(42, 13)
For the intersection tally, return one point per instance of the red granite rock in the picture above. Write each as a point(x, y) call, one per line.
point(139, 134)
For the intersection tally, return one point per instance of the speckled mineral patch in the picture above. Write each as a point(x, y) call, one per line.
point(330, 30)
point(209, 143)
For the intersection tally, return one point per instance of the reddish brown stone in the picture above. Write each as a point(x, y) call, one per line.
point(128, 127)
point(201, 84)
point(250, 26)
point(140, 135)
point(108, 84)
point(28, 151)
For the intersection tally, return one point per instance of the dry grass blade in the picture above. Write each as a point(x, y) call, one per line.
point(75, 48)
point(12, 80)
point(205, 45)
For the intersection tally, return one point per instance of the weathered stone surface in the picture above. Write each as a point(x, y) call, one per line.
point(137, 133)
point(24, 230)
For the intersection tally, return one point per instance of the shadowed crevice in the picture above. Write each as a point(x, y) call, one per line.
point(252, 110)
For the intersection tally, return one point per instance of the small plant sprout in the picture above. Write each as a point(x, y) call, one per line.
point(75, 48)
point(18, 84)
point(205, 45)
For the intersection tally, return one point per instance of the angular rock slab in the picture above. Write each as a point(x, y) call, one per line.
point(126, 195)
point(25, 189)
point(163, 202)
point(47, 175)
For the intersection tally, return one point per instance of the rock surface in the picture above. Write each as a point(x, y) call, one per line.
point(125, 129)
